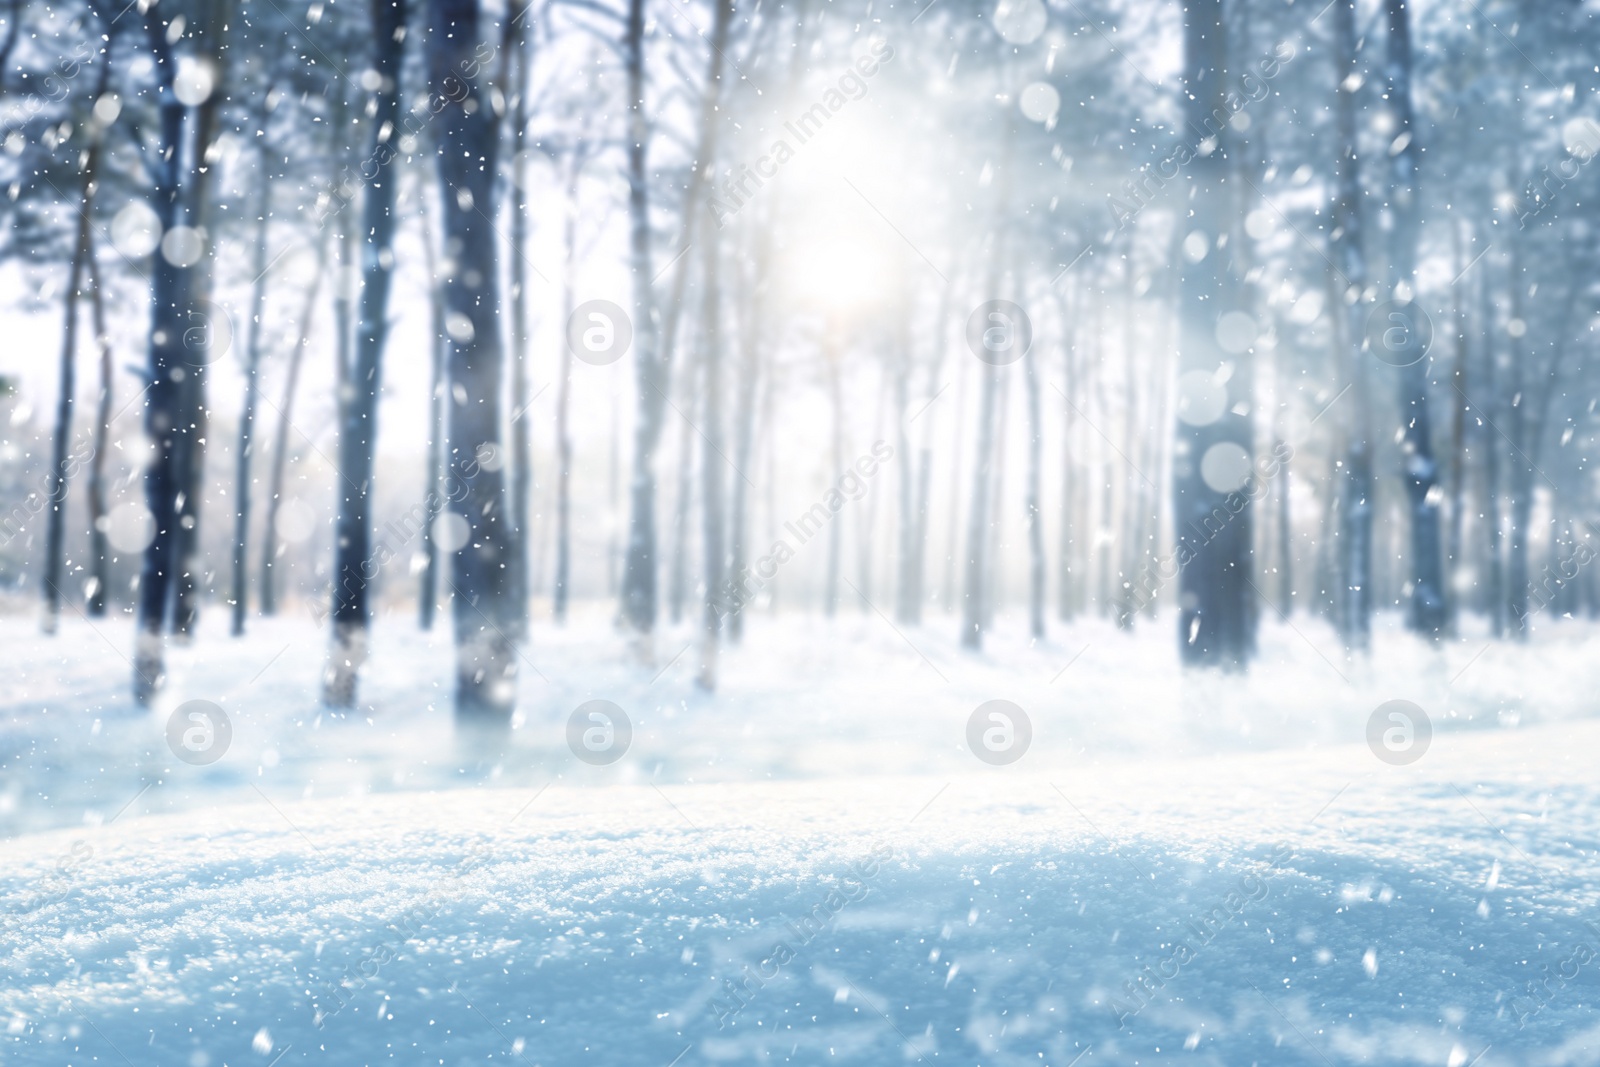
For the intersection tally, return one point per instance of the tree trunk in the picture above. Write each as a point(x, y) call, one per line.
point(1066, 545)
point(1031, 502)
point(678, 582)
point(486, 661)
point(906, 592)
point(711, 469)
point(1357, 578)
point(830, 357)
point(515, 43)
point(55, 532)
point(1458, 437)
point(201, 338)
point(354, 565)
point(1491, 470)
point(1128, 572)
point(563, 406)
point(170, 293)
point(1426, 610)
point(433, 501)
point(252, 388)
point(749, 376)
point(280, 452)
point(653, 366)
point(99, 543)
point(947, 587)
point(1215, 618)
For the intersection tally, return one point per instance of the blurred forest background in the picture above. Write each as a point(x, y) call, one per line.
point(1182, 315)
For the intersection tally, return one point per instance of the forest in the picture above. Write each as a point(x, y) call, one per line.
point(746, 414)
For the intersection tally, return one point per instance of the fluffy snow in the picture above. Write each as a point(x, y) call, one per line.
point(365, 891)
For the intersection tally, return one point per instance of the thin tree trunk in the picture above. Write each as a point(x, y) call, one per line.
point(55, 532)
point(1491, 471)
point(1458, 436)
point(1066, 545)
point(678, 580)
point(906, 593)
point(947, 587)
point(280, 452)
point(563, 406)
point(749, 375)
point(515, 43)
point(433, 501)
point(976, 594)
point(711, 468)
point(916, 595)
point(99, 543)
point(994, 574)
point(1031, 501)
point(252, 387)
point(1129, 570)
point(830, 593)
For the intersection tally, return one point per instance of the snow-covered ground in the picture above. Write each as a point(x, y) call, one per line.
point(810, 866)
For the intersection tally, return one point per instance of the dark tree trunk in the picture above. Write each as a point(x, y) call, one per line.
point(354, 565)
point(252, 388)
point(1215, 618)
point(515, 43)
point(639, 568)
point(99, 543)
point(207, 337)
point(1355, 615)
point(1426, 610)
point(433, 500)
point(170, 292)
point(55, 530)
point(1493, 524)
point(653, 362)
point(486, 660)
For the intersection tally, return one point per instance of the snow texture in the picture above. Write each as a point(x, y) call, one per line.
point(366, 892)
